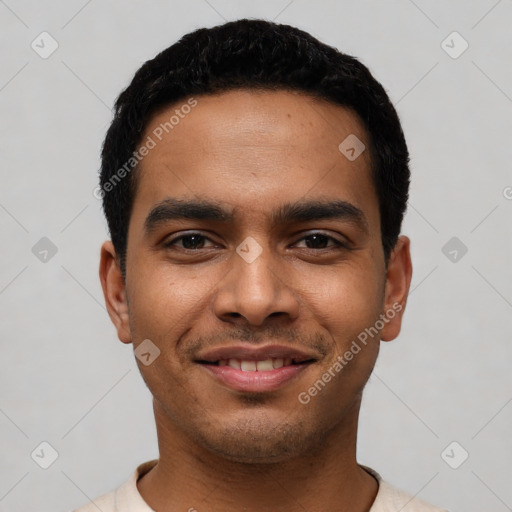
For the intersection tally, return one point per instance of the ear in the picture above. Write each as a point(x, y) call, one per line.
point(398, 281)
point(114, 291)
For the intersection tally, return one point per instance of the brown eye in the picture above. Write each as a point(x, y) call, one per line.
point(321, 241)
point(191, 241)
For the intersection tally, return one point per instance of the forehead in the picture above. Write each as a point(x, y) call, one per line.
point(263, 120)
point(252, 148)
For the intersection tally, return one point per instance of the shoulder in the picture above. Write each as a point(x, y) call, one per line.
point(392, 499)
point(105, 503)
point(396, 499)
point(124, 498)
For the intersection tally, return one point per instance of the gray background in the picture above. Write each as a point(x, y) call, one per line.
point(67, 380)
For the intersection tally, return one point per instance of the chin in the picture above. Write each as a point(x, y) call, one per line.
point(259, 441)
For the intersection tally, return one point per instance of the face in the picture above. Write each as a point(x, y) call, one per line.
point(254, 263)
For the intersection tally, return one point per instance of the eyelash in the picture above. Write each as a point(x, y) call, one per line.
point(338, 244)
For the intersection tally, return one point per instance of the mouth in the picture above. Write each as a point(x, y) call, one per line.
point(262, 365)
point(248, 369)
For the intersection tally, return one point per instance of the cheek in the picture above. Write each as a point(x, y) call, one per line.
point(346, 306)
point(345, 300)
point(163, 301)
point(164, 308)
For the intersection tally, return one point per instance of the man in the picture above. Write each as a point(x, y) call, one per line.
point(254, 181)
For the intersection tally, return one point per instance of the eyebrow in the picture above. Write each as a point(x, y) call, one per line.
point(177, 209)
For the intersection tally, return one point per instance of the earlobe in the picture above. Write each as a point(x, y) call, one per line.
point(398, 281)
point(114, 291)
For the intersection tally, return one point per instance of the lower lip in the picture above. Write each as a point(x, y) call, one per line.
point(255, 381)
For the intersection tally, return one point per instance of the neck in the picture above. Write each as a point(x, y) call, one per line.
point(190, 477)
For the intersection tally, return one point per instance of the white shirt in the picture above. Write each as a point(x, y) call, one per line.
point(127, 498)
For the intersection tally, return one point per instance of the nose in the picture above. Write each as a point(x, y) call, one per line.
point(255, 290)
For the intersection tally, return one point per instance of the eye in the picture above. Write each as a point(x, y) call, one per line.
point(314, 240)
point(191, 241)
point(196, 241)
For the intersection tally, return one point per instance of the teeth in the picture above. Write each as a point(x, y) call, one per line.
point(260, 366)
point(264, 366)
point(248, 366)
point(234, 363)
point(277, 363)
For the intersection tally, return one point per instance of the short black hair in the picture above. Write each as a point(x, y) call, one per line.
point(252, 54)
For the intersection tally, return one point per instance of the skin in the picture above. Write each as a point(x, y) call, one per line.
point(223, 450)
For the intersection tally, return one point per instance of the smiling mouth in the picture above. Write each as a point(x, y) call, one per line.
point(265, 365)
point(264, 368)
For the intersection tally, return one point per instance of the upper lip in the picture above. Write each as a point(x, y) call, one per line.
point(251, 353)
